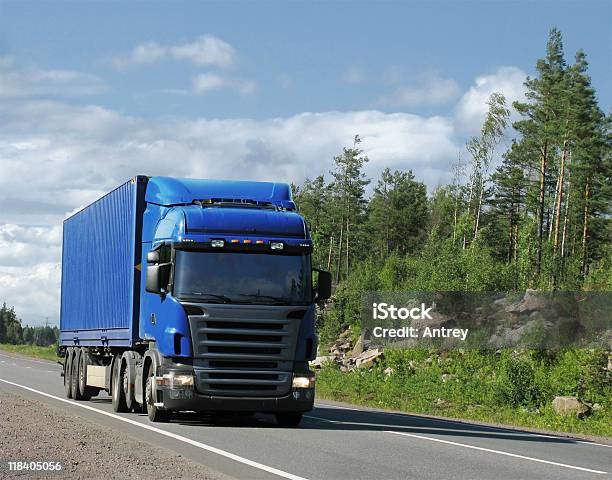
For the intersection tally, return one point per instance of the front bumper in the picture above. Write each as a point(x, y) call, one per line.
point(298, 400)
point(187, 398)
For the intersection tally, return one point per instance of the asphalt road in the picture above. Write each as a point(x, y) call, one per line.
point(332, 442)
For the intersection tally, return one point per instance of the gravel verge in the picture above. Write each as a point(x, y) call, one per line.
point(32, 431)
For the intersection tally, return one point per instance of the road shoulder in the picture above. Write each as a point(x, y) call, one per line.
point(85, 449)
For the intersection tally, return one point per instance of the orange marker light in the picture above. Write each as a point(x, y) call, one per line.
point(259, 242)
point(247, 241)
point(235, 241)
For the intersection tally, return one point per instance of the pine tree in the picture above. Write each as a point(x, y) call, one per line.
point(539, 129)
point(398, 214)
point(349, 202)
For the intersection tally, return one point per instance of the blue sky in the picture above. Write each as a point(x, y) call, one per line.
point(92, 94)
point(299, 54)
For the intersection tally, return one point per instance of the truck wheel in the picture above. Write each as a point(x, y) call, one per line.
point(119, 404)
point(74, 375)
point(67, 374)
point(288, 419)
point(85, 391)
point(155, 414)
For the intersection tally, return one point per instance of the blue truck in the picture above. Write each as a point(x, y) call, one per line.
point(191, 295)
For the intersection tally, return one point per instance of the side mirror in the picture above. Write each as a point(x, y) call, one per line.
point(157, 277)
point(153, 256)
point(324, 285)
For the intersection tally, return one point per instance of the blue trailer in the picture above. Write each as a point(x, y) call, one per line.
point(191, 295)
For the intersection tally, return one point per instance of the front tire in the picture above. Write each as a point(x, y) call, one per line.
point(289, 419)
point(155, 414)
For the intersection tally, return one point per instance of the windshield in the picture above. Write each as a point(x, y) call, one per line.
point(249, 278)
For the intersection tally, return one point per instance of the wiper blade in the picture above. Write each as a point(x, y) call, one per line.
point(209, 296)
point(276, 300)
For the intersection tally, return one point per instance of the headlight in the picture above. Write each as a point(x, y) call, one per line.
point(276, 245)
point(175, 381)
point(303, 382)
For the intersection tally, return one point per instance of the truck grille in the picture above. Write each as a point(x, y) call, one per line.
point(243, 350)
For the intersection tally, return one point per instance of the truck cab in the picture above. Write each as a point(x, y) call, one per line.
point(228, 297)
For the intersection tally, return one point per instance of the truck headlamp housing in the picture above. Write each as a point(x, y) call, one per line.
point(277, 245)
point(303, 381)
point(175, 381)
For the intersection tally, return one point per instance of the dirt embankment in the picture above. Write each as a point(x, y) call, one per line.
point(31, 431)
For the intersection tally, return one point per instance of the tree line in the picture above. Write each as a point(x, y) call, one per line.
point(540, 219)
point(11, 330)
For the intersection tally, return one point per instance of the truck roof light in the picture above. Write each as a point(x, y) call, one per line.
point(259, 242)
point(276, 245)
point(234, 240)
point(217, 243)
point(247, 241)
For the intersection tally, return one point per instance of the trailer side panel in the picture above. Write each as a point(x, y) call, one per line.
point(100, 261)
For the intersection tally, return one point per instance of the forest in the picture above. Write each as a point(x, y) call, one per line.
point(13, 332)
point(533, 215)
point(528, 207)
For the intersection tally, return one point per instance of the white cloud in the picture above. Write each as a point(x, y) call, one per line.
point(206, 50)
point(472, 107)
point(23, 82)
point(425, 90)
point(145, 53)
point(33, 290)
point(207, 82)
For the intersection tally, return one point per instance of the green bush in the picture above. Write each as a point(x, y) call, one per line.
point(516, 384)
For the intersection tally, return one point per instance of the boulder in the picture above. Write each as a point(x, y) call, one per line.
point(531, 302)
point(447, 377)
point(569, 405)
point(358, 348)
point(369, 358)
point(437, 320)
point(320, 360)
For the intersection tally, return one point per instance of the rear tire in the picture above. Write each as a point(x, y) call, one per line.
point(119, 404)
point(288, 419)
point(67, 374)
point(85, 391)
point(74, 375)
point(155, 414)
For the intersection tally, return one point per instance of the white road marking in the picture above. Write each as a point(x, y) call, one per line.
point(455, 422)
point(473, 447)
point(203, 446)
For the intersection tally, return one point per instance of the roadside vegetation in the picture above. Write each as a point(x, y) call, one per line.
point(506, 387)
point(528, 207)
point(46, 353)
point(39, 342)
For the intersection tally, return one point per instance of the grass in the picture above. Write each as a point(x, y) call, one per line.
point(46, 353)
point(511, 389)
